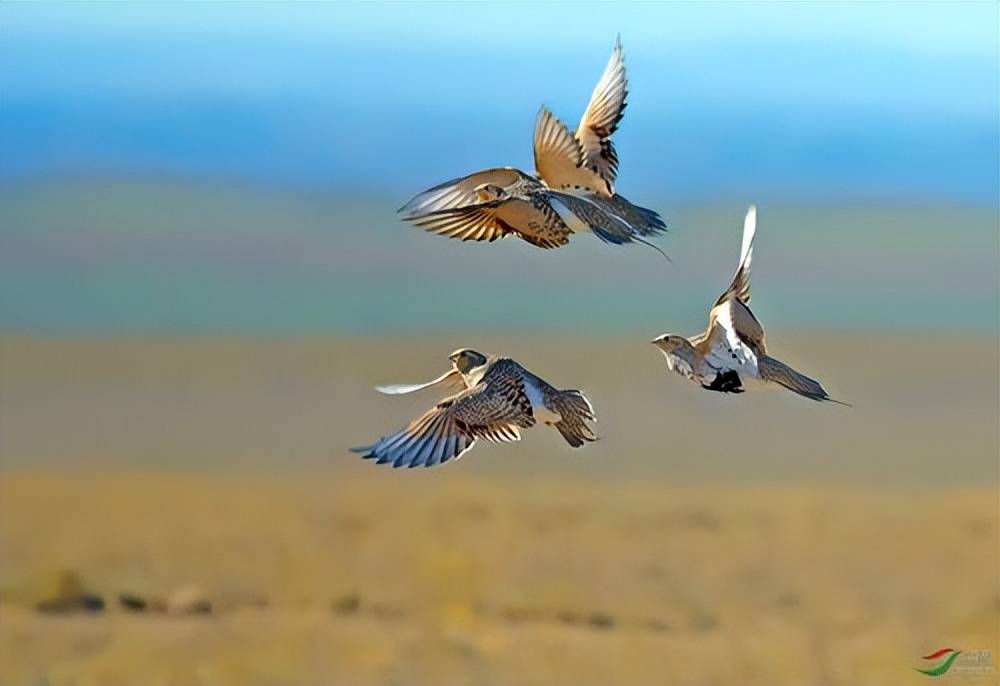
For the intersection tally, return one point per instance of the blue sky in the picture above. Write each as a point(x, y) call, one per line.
point(852, 101)
point(235, 167)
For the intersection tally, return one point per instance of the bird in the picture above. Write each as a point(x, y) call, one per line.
point(495, 398)
point(504, 201)
point(571, 191)
point(585, 161)
point(731, 356)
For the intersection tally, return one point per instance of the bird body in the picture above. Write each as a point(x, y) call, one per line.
point(497, 398)
point(730, 356)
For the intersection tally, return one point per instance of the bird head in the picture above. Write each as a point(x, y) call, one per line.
point(489, 192)
point(466, 360)
point(677, 349)
point(668, 342)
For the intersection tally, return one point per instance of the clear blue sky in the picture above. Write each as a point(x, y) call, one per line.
point(866, 101)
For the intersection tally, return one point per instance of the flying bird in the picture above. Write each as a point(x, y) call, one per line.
point(571, 192)
point(731, 354)
point(495, 398)
point(504, 201)
point(585, 161)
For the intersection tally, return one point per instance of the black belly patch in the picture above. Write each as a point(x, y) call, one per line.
point(726, 382)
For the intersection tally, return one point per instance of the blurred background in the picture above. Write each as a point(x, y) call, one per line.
point(202, 275)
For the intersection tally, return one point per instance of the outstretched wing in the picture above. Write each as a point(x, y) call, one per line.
point(535, 220)
point(492, 410)
point(459, 192)
point(740, 286)
point(601, 118)
point(558, 156)
point(469, 223)
point(433, 438)
point(452, 379)
point(733, 331)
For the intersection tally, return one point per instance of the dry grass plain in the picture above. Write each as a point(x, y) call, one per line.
point(705, 540)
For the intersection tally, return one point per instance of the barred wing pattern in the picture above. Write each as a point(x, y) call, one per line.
point(461, 192)
point(533, 219)
point(601, 118)
point(494, 410)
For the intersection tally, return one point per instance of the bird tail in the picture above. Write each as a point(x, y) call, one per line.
point(575, 411)
point(780, 373)
point(646, 222)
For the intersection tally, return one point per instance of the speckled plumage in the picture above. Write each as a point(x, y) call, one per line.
point(499, 399)
point(495, 203)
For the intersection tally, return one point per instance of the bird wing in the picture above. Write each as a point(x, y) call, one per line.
point(459, 192)
point(533, 219)
point(557, 153)
point(470, 223)
point(740, 285)
point(492, 410)
point(452, 379)
point(559, 158)
point(601, 118)
point(433, 438)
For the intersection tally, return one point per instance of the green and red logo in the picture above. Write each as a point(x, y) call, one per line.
point(946, 658)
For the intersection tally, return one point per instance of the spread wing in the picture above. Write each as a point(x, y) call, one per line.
point(734, 335)
point(493, 410)
point(459, 192)
point(558, 157)
point(471, 223)
point(601, 118)
point(535, 220)
point(452, 379)
point(740, 286)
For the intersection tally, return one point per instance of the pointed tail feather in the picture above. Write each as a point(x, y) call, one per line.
point(646, 222)
point(780, 373)
point(646, 243)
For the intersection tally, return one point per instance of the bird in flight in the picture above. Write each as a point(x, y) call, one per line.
point(495, 398)
point(500, 202)
point(585, 161)
point(731, 354)
point(572, 190)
